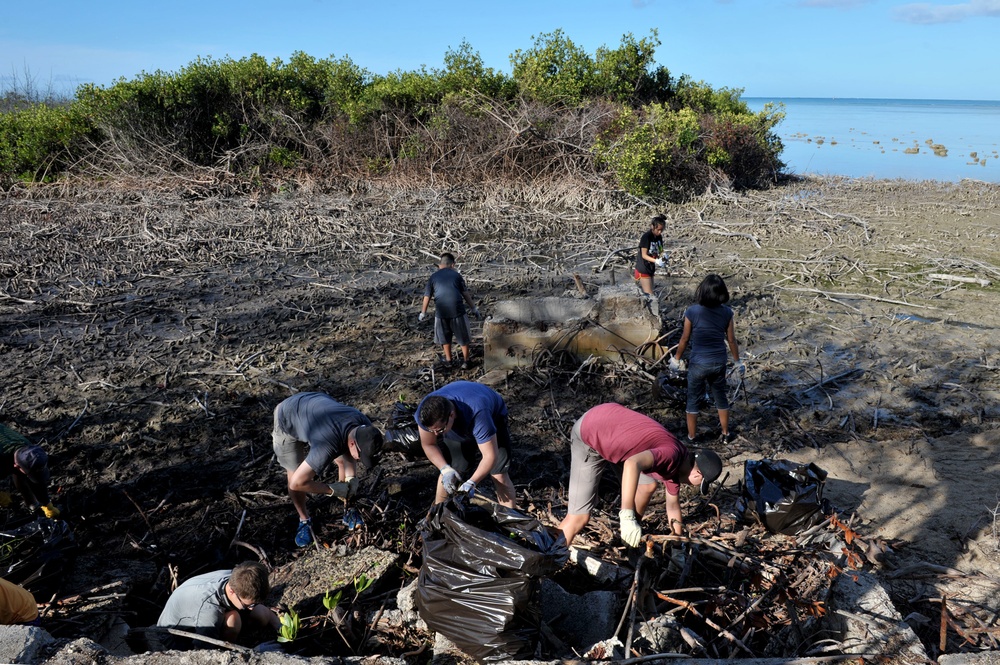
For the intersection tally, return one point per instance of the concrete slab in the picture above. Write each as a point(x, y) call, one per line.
point(579, 620)
point(861, 610)
point(617, 319)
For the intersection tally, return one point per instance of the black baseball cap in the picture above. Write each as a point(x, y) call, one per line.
point(369, 440)
point(710, 466)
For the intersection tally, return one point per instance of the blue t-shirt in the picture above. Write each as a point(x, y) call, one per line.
point(446, 286)
point(322, 422)
point(708, 333)
point(476, 406)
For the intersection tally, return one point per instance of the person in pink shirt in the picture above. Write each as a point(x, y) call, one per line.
point(613, 434)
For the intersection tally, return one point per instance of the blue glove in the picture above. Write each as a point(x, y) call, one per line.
point(352, 519)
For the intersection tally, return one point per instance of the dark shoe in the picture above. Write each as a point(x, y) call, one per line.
point(727, 437)
point(304, 535)
point(465, 364)
point(689, 441)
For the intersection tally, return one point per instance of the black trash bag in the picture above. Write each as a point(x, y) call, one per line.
point(478, 585)
point(670, 385)
point(401, 433)
point(786, 497)
point(36, 555)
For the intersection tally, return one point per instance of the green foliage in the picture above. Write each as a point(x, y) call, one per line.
point(554, 70)
point(331, 602)
point(362, 582)
point(289, 630)
point(461, 121)
point(38, 141)
point(628, 73)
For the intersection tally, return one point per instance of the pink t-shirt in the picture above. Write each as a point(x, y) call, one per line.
point(617, 433)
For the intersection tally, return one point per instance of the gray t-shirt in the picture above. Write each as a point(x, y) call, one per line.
point(446, 286)
point(322, 422)
point(199, 605)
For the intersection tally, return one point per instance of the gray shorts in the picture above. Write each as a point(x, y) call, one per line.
point(445, 328)
point(585, 471)
point(289, 451)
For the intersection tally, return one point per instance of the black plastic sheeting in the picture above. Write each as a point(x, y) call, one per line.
point(401, 433)
point(482, 566)
point(37, 554)
point(786, 497)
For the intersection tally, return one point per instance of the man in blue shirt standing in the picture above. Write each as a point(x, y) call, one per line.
point(458, 422)
point(448, 289)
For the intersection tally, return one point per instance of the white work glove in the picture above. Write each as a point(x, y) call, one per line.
point(450, 479)
point(659, 262)
point(741, 368)
point(352, 486)
point(675, 364)
point(475, 313)
point(631, 531)
point(469, 488)
point(421, 316)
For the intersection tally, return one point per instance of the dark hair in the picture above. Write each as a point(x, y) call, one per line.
point(712, 292)
point(658, 220)
point(249, 580)
point(435, 409)
point(448, 259)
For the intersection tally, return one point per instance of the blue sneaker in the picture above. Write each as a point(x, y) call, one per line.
point(304, 535)
point(352, 519)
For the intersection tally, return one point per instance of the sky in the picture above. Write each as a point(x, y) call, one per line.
point(767, 48)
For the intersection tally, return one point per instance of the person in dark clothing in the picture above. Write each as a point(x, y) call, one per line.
point(650, 255)
point(28, 467)
point(332, 432)
point(447, 287)
point(708, 326)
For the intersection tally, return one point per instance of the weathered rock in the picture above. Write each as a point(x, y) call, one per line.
point(303, 583)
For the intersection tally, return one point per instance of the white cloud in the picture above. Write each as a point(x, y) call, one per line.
point(928, 13)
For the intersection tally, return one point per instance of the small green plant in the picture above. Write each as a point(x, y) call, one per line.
point(362, 582)
point(289, 627)
point(331, 602)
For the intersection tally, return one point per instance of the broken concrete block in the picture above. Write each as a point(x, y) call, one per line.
point(617, 319)
point(580, 620)
point(302, 583)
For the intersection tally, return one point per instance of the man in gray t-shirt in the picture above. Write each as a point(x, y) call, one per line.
point(447, 287)
point(333, 432)
point(216, 604)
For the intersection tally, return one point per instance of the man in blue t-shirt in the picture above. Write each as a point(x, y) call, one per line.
point(458, 422)
point(448, 289)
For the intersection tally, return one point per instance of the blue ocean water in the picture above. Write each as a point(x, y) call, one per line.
point(913, 139)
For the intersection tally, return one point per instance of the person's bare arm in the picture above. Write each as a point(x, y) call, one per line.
point(734, 348)
point(631, 469)
point(685, 336)
point(427, 302)
point(428, 441)
point(673, 509)
point(488, 450)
